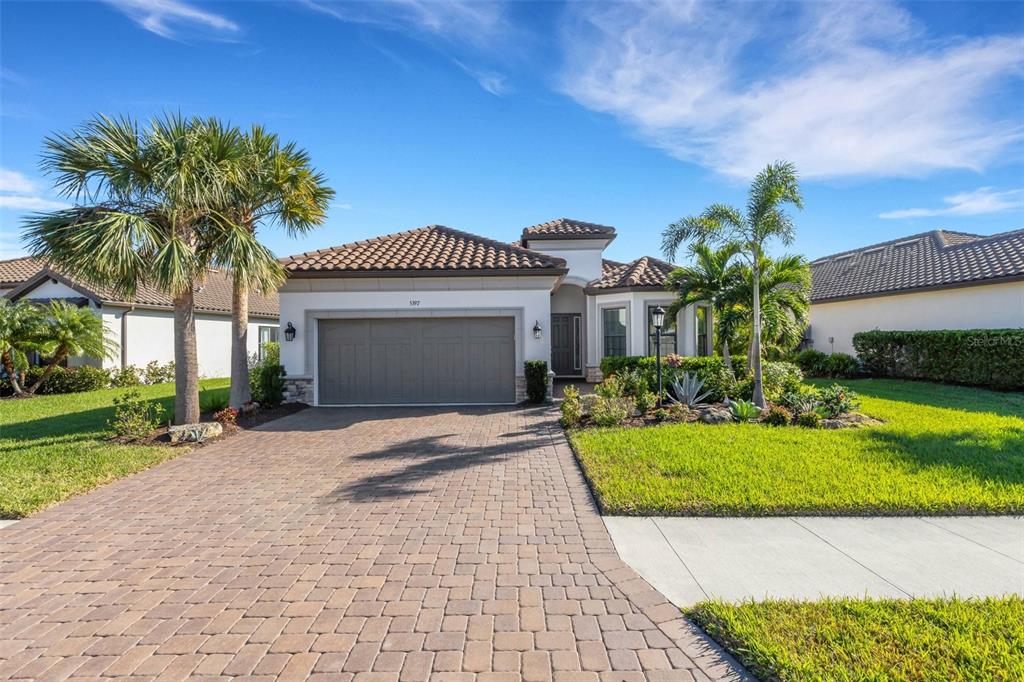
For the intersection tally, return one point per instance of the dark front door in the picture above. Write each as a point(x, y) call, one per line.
point(566, 330)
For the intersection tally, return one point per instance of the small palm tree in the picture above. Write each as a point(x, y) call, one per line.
point(143, 198)
point(785, 301)
point(765, 219)
point(20, 327)
point(273, 185)
point(67, 331)
point(713, 277)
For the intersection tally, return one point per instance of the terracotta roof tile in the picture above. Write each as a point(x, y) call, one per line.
point(213, 294)
point(930, 259)
point(17, 270)
point(428, 249)
point(565, 228)
point(645, 272)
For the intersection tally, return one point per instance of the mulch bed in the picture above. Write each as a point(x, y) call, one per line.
point(245, 421)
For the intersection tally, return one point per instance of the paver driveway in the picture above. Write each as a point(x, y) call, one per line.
point(376, 544)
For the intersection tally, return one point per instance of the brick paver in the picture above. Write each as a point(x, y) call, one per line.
point(343, 544)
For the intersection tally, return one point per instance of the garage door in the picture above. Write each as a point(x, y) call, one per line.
point(417, 361)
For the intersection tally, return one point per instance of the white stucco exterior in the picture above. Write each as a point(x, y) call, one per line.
point(303, 302)
point(993, 306)
point(150, 333)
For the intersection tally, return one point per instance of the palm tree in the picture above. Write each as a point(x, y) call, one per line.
point(713, 277)
point(68, 330)
point(20, 323)
point(765, 219)
point(785, 301)
point(273, 185)
point(142, 198)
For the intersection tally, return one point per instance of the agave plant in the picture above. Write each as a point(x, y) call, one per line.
point(687, 390)
point(744, 410)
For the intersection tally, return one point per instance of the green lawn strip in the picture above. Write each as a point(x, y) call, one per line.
point(862, 639)
point(941, 450)
point(55, 446)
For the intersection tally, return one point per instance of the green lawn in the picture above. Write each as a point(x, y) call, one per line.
point(55, 446)
point(942, 450)
point(855, 639)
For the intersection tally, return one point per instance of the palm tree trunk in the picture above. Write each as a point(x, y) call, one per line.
point(58, 358)
point(758, 388)
point(186, 359)
point(12, 375)
point(726, 357)
point(240, 393)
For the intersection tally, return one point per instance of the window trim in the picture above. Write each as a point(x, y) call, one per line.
point(708, 331)
point(625, 307)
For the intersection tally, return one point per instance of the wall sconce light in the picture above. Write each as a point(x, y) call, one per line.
point(289, 332)
point(536, 329)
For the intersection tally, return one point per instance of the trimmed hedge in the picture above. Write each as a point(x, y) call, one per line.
point(993, 358)
point(536, 380)
point(814, 363)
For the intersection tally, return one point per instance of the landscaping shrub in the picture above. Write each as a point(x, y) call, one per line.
point(536, 380)
point(836, 400)
point(744, 410)
point(814, 363)
point(645, 400)
point(572, 407)
point(811, 420)
point(718, 380)
point(125, 377)
point(805, 399)
point(981, 357)
point(211, 401)
point(611, 411)
point(777, 379)
point(155, 373)
point(612, 387)
point(661, 414)
point(811, 361)
point(266, 376)
point(68, 380)
point(227, 416)
point(778, 415)
point(135, 418)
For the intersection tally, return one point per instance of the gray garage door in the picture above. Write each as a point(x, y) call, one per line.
point(417, 360)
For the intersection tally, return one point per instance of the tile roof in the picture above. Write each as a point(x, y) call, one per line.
point(645, 272)
point(213, 294)
point(565, 228)
point(434, 249)
point(935, 259)
point(17, 270)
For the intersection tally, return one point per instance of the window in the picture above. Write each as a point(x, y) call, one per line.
point(614, 324)
point(702, 330)
point(668, 333)
point(267, 335)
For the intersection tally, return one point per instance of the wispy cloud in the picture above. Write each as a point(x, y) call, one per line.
point(491, 81)
point(171, 19)
point(841, 89)
point(981, 201)
point(20, 193)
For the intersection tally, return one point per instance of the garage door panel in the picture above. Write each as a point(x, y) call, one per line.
point(417, 360)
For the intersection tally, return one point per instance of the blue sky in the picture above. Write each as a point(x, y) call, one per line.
point(490, 117)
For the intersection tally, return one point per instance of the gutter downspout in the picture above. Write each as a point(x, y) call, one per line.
point(124, 337)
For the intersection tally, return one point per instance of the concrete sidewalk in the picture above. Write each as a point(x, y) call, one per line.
point(693, 559)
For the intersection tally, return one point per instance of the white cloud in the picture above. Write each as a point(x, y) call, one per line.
point(343, 206)
point(980, 201)
point(455, 20)
point(491, 81)
point(168, 18)
point(27, 203)
point(13, 181)
point(839, 89)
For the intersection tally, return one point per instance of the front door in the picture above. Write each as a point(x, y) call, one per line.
point(566, 332)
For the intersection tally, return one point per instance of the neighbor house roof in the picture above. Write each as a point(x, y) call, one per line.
point(565, 228)
point(212, 295)
point(435, 250)
point(642, 273)
point(17, 270)
point(930, 260)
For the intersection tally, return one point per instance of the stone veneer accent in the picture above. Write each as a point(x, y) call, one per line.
point(594, 375)
point(298, 390)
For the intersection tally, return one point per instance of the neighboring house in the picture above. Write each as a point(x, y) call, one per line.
point(934, 280)
point(143, 328)
point(436, 315)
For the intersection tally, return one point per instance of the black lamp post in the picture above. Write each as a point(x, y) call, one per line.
point(658, 320)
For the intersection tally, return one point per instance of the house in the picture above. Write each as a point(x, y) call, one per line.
point(437, 315)
point(143, 327)
point(933, 280)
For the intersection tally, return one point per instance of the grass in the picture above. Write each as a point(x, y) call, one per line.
point(857, 639)
point(942, 450)
point(55, 446)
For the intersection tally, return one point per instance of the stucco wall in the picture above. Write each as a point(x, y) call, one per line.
point(636, 320)
point(304, 301)
point(993, 306)
point(582, 256)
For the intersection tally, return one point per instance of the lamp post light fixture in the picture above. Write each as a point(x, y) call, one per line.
point(658, 320)
point(289, 332)
point(536, 329)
